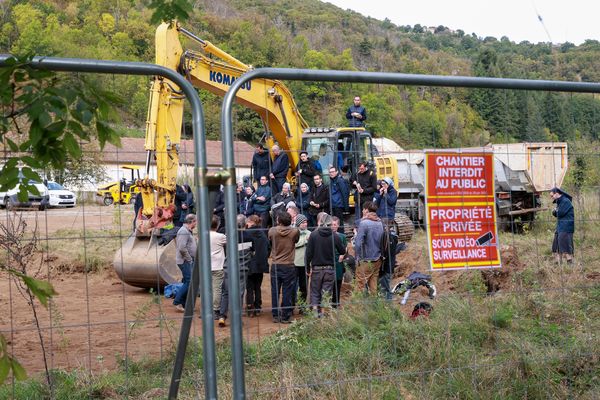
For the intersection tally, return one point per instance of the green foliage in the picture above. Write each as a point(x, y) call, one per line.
point(45, 118)
point(167, 10)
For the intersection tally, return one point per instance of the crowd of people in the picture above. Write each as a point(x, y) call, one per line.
point(298, 238)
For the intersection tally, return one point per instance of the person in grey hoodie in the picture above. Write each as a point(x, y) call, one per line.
point(367, 246)
point(184, 257)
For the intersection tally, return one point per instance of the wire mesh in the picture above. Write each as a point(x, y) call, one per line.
point(526, 330)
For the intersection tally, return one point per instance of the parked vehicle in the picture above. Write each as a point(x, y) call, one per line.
point(59, 196)
point(11, 201)
point(120, 192)
point(522, 172)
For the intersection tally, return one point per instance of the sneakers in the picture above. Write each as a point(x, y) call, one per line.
point(221, 322)
point(179, 308)
point(286, 321)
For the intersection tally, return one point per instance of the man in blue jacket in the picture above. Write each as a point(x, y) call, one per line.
point(367, 247)
point(385, 199)
point(562, 246)
point(356, 114)
point(279, 169)
point(262, 201)
point(261, 163)
point(340, 193)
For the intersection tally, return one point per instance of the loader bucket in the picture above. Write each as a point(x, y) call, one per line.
point(143, 263)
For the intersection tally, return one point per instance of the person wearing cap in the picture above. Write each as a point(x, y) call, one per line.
point(306, 170)
point(562, 245)
point(321, 250)
point(385, 199)
point(299, 260)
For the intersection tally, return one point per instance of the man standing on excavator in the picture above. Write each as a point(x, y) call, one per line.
point(356, 114)
point(279, 169)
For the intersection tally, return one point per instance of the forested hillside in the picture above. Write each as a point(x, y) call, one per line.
point(312, 34)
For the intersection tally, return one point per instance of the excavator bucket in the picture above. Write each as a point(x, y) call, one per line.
point(143, 263)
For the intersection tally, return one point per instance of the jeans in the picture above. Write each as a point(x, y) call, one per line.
point(225, 292)
point(253, 293)
point(321, 281)
point(301, 284)
point(384, 285)
point(186, 271)
point(283, 280)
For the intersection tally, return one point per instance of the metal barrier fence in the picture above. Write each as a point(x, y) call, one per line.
point(367, 378)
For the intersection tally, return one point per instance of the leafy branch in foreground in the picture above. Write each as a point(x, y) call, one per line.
point(45, 119)
point(21, 247)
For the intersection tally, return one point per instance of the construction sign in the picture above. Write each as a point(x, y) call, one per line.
point(461, 213)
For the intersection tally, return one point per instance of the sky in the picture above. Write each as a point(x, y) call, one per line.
point(565, 20)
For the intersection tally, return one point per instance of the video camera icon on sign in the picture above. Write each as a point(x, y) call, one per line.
point(485, 239)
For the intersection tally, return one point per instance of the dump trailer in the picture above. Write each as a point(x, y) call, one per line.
point(523, 171)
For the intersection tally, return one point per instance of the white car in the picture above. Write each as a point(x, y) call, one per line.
point(59, 196)
point(10, 199)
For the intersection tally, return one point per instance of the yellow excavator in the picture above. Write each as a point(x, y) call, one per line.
point(142, 261)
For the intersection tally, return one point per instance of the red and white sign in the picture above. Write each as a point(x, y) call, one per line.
point(461, 213)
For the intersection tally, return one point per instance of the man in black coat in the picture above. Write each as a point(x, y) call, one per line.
point(365, 183)
point(261, 163)
point(319, 201)
point(279, 169)
point(306, 171)
point(259, 264)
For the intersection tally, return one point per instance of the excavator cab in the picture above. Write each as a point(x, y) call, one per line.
point(343, 148)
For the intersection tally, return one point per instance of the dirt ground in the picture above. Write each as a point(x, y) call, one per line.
point(95, 319)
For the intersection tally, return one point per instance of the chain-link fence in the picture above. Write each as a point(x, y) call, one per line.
point(527, 330)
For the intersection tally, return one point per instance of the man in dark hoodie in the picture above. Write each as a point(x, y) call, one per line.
point(283, 239)
point(321, 249)
point(306, 170)
point(261, 163)
point(562, 246)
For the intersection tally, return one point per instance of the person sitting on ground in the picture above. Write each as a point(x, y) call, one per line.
point(184, 258)
point(321, 248)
